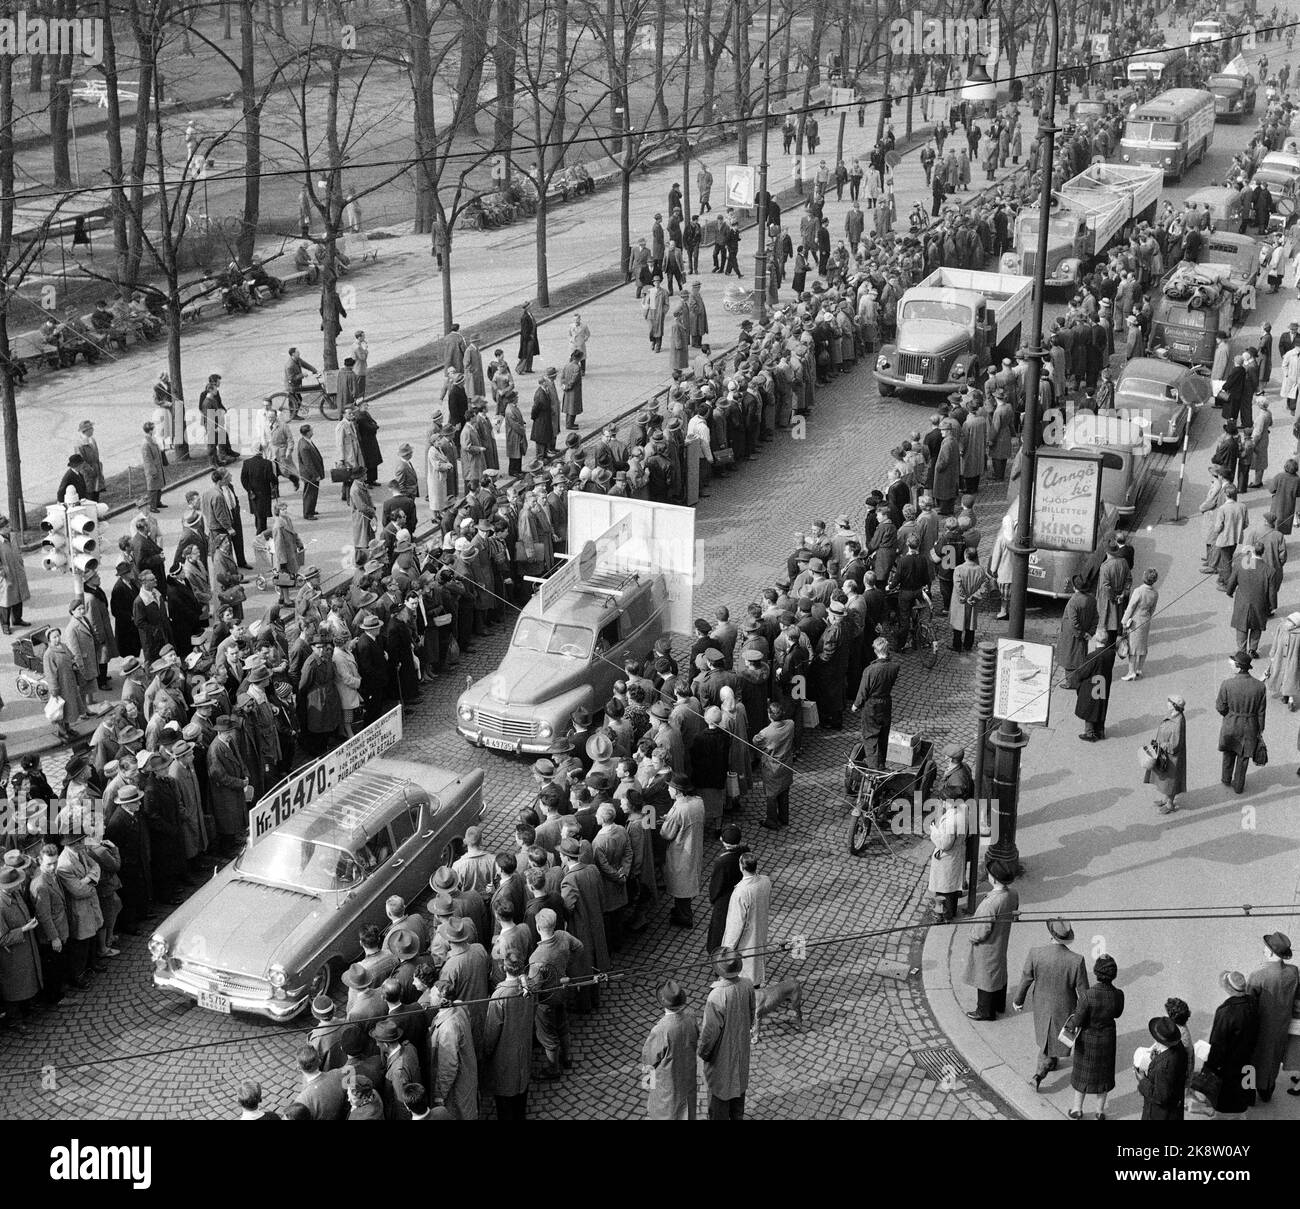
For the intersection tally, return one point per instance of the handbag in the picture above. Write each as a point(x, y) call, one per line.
point(1152, 757)
point(733, 785)
point(452, 658)
point(811, 718)
point(725, 456)
point(1121, 647)
point(1261, 753)
point(340, 473)
point(54, 708)
point(1069, 1033)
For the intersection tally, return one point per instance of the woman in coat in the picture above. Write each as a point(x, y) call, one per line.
point(1002, 563)
point(14, 591)
point(735, 722)
point(516, 435)
point(1164, 1083)
point(347, 679)
point(60, 671)
point(20, 959)
point(1136, 622)
point(1214, 497)
point(1170, 776)
point(1259, 440)
point(655, 306)
point(1290, 384)
point(286, 546)
point(679, 339)
point(683, 830)
point(1093, 1069)
point(80, 640)
point(1284, 488)
point(1232, 1045)
point(1283, 677)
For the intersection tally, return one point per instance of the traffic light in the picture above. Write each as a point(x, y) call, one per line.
point(54, 539)
point(83, 536)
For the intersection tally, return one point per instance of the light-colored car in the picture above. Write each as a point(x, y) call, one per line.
point(273, 928)
point(559, 662)
point(1165, 396)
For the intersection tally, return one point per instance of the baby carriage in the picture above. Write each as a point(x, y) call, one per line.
point(29, 656)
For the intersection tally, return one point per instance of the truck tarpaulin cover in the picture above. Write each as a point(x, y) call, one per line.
point(1199, 285)
point(653, 538)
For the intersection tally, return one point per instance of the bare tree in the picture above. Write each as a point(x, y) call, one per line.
point(475, 18)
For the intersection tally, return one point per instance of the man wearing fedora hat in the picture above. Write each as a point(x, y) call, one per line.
point(1057, 976)
point(725, 1037)
point(1276, 988)
point(1163, 1084)
point(468, 971)
point(668, 1058)
point(365, 999)
point(988, 936)
point(1233, 1038)
point(126, 830)
point(508, 1042)
point(401, 1067)
point(1242, 701)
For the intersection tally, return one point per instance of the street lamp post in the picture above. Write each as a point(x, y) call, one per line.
point(760, 253)
point(1010, 739)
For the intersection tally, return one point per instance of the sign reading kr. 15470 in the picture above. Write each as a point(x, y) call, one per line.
point(309, 783)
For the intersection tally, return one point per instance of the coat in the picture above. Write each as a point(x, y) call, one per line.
point(947, 469)
point(516, 431)
point(611, 853)
point(1283, 678)
point(1171, 738)
point(947, 864)
point(670, 1053)
point(1233, 1037)
point(1275, 986)
point(363, 514)
point(776, 742)
point(508, 1040)
point(968, 584)
point(974, 445)
point(724, 1042)
point(1163, 1086)
point(683, 828)
point(1078, 624)
point(13, 576)
point(50, 908)
point(1093, 1070)
point(988, 934)
point(20, 960)
point(60, 670)
point(1113, 582)
point(1249, 588)
point(580, 888)
point(453, 1063)
point(1284, 488)
point(1092, 698)
point(746, 929)
point(226, 776)
point(1243, 702)
point(85, 916)
point(1057, 977)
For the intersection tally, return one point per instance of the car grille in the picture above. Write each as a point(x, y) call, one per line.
point(507, 728)
point(910, 363)
point(227, 982)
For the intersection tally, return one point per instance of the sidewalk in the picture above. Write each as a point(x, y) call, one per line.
point(622, 370)
point(1090, 838)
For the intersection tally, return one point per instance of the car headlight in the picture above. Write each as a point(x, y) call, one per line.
point(882, 362)
point(276, 976)
point(1169, 159)
point(1125, 157)
point(544, 730)
point(959, 370)
point(466, 714)
point(157, 947)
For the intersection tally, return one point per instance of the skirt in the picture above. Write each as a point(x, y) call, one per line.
point(1137, 640)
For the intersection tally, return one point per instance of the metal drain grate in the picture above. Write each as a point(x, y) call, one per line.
point(943, 1064)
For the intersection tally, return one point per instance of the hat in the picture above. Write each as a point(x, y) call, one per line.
point(356, 976)
point(751, 654)
point(322, 1007)
point(1002, 871)
point(403, 944)
point(1164, 1030)
point(444, 906)
point(713, 655)
point(10, 877)
point(1177, 701)
point(1233, 981)
point(954, 751)
point(132, 734)
point(1060, 929)
point(443, 878)
point(660, 709)
point(387, 1031)
point(837, 607)
point(259, 675)
point(1279, 943)
point(371, 623)
point(455, 931)
point(670, 994)
point(130, 665)
point(731, 834)
point(181, 748)
point(599, 747)
point(128, 795)
point(1243, 661)
point(713, 714)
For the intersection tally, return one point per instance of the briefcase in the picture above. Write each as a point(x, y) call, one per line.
point(340, 474)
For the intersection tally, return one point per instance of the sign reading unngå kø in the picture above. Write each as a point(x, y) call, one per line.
point(1067, 500)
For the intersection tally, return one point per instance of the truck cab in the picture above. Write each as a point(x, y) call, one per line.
point(1235, 95)
point(1067, 239)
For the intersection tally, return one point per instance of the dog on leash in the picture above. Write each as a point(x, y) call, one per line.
point(786, 994)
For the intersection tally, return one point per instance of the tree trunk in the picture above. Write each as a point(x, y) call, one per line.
point(505, 55)
point(252, 133)
point(469, 76)
point(226, 32)
point(613, 62)
point(61, 106)
point(277, 18)
point(686, 139)
point(8, 400)
point(889, 69)
point(711, 58)
point(625, 205)
point(783, 75)
point(329, 304)
point(426, 141)
point(140, 152)
point(661, 29)
point(116, 175)
point(740, 63)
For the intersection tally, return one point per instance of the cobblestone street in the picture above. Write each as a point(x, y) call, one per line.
point(869, 1045)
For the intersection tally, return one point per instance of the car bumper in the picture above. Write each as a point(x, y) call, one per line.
point(929, 388)
point(518, 747)
point(272, 1009)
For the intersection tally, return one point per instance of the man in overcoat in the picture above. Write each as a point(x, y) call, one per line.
point(1091, 681)
point(1276, 988)
point(988, 935)
point(725, 1037)
point(1057, 976)
point(1248, 586)
point(876, 702)
point(1242, 702)
point(669, 1053)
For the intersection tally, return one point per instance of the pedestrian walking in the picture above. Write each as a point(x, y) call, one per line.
point(1242, 701)
point(1056, 977)
point(528, 345)
point(1276, 988)
point(725, 1037)
point(1092, 1072)
point(1169, 771)
point(14, 591)
point(655, 308)
point(988, 936)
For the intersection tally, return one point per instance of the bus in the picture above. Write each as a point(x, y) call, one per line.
point(1167, 67)
point(1173, 129)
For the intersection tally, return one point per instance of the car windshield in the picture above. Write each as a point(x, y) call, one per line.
point(1148, 389)
point(1145, 132)
point(1062, 223)
point(1226, 83)
point(290, 860)
point(934, 309)
point(552, 638)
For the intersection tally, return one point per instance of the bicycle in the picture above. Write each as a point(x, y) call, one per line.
point(918, 630)
point(875, 791)
point(329, 404)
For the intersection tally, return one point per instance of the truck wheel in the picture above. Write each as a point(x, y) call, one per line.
point(887, 389)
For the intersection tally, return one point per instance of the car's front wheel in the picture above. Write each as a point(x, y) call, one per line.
point(323, 980)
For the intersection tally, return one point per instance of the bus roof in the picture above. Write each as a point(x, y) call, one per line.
point(1175, 104)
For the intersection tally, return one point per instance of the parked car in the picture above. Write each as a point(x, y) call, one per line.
point(560, 661)
point(273, 928)
point(1165, 394)
point(1281, 179)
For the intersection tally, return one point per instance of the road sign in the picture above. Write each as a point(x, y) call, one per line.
point(741, 182)
point(1023, 682)
point(307, 784)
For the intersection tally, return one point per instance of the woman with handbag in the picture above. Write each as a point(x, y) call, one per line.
point(1168, 773)
point(1093, 1070)
point(1136, 622)
point(286, 545)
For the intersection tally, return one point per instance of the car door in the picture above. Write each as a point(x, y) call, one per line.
point(403, 866)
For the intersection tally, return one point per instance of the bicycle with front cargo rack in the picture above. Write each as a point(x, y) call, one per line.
point(322, 387)
point(875, 790)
